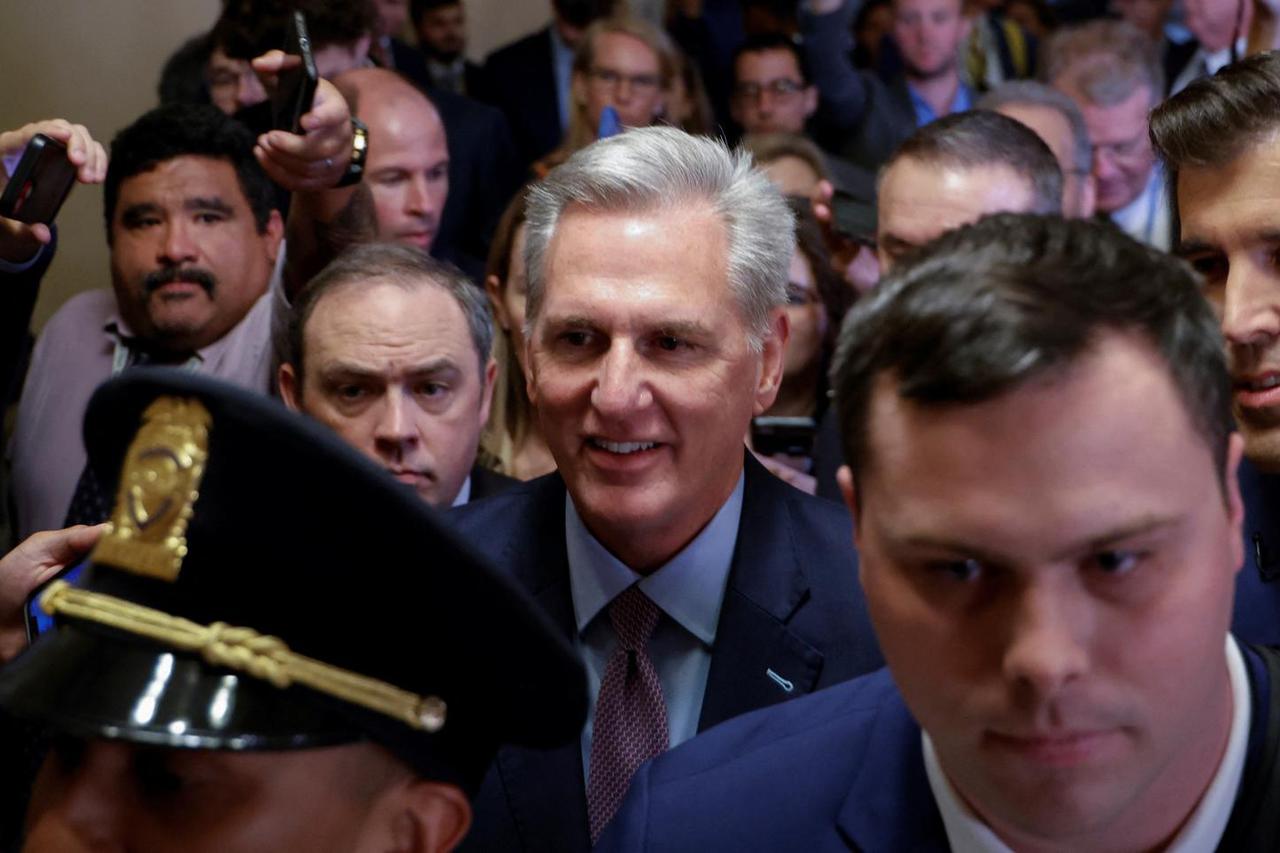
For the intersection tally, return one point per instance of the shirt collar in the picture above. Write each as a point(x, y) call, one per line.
point(1219, 59)
point(464, 494)
point(1202, 831)
point(689, 587)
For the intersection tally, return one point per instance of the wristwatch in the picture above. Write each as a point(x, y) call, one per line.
point(359, 151)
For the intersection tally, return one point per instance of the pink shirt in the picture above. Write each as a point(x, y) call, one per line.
point(76, 353)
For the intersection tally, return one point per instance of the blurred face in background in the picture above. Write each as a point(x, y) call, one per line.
point(625, 74)
point(442, 31)
point(929, 34)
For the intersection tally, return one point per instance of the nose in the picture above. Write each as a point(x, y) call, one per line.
point(418, 196)
point(394, 434)
point(1046, 649)
point(177, 246)
point(1250, 305)
point(620, 387)
point(1104, 165)
point(81, 807)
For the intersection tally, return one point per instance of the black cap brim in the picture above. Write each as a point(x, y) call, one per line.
point(92, 681)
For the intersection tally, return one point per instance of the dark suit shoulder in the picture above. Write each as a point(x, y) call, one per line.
point(770, 780)
point(486, 483)
point(532, 47)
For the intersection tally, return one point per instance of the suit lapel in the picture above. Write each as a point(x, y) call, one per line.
point(545, 789)
point(757, 659)
point(890, 805)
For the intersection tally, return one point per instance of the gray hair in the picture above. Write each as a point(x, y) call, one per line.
point(390, 263)
point(1106, 61)
point(1033, 94)
point(653, 169)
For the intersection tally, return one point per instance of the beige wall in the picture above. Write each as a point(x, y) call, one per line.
point(97, 62)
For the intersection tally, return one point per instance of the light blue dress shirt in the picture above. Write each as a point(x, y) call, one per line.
point(925, 114)
point(562, 65)
point(688, 589)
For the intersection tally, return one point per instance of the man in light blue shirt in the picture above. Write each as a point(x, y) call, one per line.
point(695, 584)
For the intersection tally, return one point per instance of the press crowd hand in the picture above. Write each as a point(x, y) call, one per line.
point(36, 560)
point(316, 159)
point(18, 240)
point(854, 261)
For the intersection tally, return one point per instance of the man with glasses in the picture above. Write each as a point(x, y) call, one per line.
point(772, 92)
point(1112, 71)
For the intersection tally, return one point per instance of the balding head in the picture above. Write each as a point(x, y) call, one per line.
point(407, 170)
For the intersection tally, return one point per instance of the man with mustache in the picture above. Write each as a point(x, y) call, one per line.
point(1217, 140)
point(194, 241)
point(1049, 575)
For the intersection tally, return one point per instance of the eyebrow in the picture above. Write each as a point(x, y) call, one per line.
point(208, 203)
point(434, 366)
point(1141, 527)
point(1195, 246)
point(681, 328)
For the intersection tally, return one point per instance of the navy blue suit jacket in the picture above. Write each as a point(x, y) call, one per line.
point(793, 605)
point(840, 770)
point(520, 81)
point(1257, 609)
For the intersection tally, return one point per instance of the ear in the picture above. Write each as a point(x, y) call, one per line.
point(493, 289)
point(273, 234)
point(290, 387)
point(578, 88)
point(772, 353)
point(810, 101)
point(486, 393)
point(1235, 504)
point(360, 50)
point(844, 479)
point(418, 816)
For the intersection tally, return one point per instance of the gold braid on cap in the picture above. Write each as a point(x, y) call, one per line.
point(247, 651)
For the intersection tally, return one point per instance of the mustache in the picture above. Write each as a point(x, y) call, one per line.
point(168, 275)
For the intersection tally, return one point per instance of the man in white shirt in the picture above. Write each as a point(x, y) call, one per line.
point(1036, 415)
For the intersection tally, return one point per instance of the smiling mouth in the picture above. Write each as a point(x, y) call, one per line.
point(622, 447)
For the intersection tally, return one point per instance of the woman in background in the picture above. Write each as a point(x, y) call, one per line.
point(512, 442)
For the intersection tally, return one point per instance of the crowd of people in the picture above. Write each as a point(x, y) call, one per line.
point(719, 425)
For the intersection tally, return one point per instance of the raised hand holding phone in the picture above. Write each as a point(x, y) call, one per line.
point(20, 240)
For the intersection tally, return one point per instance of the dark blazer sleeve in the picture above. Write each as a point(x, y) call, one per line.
point(18, 292)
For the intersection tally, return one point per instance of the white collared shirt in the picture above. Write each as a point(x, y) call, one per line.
point(966, 833)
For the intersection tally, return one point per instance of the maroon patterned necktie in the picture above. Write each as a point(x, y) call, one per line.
point(631, 714)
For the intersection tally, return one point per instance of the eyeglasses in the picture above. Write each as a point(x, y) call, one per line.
point(799, 294)
point(780, 89)
point(609, 78)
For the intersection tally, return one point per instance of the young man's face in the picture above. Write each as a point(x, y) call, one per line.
point(187, 259)
point(103, 795)
point(1231, 235)
point(929, 33)
point(1050, 574)
point(769, 95)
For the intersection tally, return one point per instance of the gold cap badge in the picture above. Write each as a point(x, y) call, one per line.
point(159, 485)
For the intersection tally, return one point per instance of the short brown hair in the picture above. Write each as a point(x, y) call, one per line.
point(1214, 119)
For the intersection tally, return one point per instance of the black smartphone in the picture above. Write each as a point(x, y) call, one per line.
point(40, 183)
point(771, 436)
point(296, 84)
point(853, 217)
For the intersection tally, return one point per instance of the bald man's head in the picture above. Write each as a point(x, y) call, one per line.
point(407, 170)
